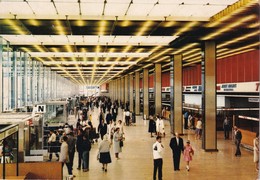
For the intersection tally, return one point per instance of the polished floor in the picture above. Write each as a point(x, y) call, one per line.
point(136, 161)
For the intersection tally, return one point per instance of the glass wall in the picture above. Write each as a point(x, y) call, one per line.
point(25, 82)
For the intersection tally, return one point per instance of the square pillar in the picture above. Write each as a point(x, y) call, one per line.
point(131, 93)
point(158, 88)
point(137, 93)
point(126, 89)
point(123, 90)
point(146, 92)
point(208, 70)
point(176, 94)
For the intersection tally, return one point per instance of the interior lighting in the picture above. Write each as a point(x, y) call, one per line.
point(146, 26)
point(102, 27)
point(169, 23)
point(240, 49)
point(125, 23)
point(193, 62)
point(235, 53)
point(229, 27)
point(59, 27)
point(162, 59)
point(185, 48)
point(18, 29)
point(191, 56)
point(159, 54)
point(186, 28)
point(239, 39)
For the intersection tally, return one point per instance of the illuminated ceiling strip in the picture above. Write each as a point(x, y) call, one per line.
point(185, 48)
point(188, 27)
point(146, 26)
point(230, 11)
point(97, 71)
point(239, 49)
point(127, 49)
point(90, 62)
point(193, 62)
point(88, 54)
point(191, 51)
point(90, 68)
point(239, 39)
point(162, 59)
point(229, 27)
point(18, 29)
point(88, 40)
point(235, 53)
point(191, 56)
point(59, 27)
point(159, 54)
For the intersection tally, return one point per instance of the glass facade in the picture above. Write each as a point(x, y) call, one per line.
point(25, 82)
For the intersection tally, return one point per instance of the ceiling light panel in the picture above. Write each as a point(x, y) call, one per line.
point(15, 8)
point(75, 39)
point(43, 8)
point(60, 38)
point(67, 8)
point(90, 39)
point(163, 9)
point(139, 9)
point(92, 9)
point(187, 2)
point(113, 9)
point(106, 39)
point(121, 39)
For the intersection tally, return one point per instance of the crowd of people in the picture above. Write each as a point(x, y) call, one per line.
point(67, 140)
point(110, 131)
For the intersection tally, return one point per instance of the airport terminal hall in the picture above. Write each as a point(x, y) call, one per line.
point(129, 89)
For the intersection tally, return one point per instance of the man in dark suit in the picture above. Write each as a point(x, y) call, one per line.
point(238, 137)
point(177, 147)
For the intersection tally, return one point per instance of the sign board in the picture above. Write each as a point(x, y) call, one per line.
point(41, 109)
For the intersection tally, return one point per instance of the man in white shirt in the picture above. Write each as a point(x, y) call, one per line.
point(157, 158)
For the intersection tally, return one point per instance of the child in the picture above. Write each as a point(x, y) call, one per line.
point(187, 154)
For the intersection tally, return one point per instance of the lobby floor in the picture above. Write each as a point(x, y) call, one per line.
point(136, 160)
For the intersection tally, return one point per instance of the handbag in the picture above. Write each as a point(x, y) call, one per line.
point(121, 143)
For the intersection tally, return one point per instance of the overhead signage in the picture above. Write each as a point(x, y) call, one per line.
point(228, 87)
point(41, 109)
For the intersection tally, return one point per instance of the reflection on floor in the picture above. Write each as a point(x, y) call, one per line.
point(136, 161)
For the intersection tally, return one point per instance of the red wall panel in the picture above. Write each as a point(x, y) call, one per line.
point(141, 83)
point(151, 81)
point(166, 79)
point(228, 72)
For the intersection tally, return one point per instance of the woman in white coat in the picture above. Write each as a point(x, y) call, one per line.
point(116, 142)
point(160, 126)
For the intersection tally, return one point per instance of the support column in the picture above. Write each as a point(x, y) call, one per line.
point(208, 70)
point(176, 94)
point(137, 93)
point(126, 89)
point(131, 93)
point(118, 90)
point(123, 90)
point(158, 88)
point(1, 74)
point(146, 92)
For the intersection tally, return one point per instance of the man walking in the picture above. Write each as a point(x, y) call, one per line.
point(176, 145)
point(238, 137)
point(226, 127)
point(157, 158)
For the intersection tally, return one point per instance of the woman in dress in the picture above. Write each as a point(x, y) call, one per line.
point(256, 151)
point(104, 148)
point(152, 126)
point(116, 142)
point(187, 154)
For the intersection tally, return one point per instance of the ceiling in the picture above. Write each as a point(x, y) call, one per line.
point(91, 42)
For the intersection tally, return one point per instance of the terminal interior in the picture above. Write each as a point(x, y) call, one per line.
point(150, 57)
